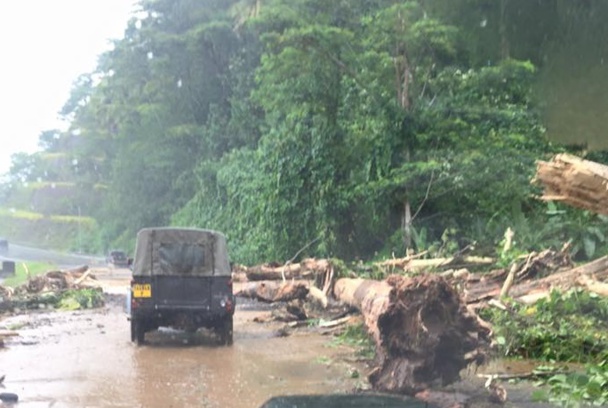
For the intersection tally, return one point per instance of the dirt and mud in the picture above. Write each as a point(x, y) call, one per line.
point(86, 359)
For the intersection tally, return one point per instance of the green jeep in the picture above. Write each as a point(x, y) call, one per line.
point(181, 279)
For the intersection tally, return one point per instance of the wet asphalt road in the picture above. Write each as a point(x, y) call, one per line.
point(21, 253)
point(85, 359)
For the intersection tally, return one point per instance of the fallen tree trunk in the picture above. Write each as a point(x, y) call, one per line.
point(563, 280)
point(416, 265)
point(574, 181)
point(484, 289)
point(307, 269)
point(422, 330)
point(275, 291)
point(593, 285)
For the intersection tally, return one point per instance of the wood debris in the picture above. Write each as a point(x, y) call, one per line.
point(39, 289)
point(574, 181)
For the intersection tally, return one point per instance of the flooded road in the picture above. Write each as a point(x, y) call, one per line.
point(85, 359)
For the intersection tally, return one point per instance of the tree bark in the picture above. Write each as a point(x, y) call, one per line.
point(422, 330)
point(593, 285)
point(574, 181)
point(275, 291)
point(478, 290)
point(307, 269)
point(411, 264)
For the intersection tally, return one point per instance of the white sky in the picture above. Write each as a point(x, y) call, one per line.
point(44, 46)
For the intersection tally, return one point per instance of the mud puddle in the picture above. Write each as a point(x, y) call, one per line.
point(85, 359)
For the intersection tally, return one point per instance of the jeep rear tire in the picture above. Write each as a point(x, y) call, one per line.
point(138, 332)
point(225, 331)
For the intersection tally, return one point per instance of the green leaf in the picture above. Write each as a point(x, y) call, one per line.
point(589, 245)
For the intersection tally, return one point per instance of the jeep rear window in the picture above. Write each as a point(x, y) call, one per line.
point(183, 259)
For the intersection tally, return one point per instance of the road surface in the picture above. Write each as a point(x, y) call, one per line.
point(85, 359)
point(21, 253)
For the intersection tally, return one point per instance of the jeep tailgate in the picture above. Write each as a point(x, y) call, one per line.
point(181, 292)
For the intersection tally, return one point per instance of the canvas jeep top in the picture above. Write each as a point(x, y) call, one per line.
point(181, 279)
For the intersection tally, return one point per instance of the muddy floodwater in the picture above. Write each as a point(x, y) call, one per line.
point(85, 359)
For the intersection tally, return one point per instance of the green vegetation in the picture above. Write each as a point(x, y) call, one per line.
point(72, 299)
point(575, 389)
point(358, 337)
point(26, 215)
point(284, 123)
point(66, 233)
point(75, 299)
point(22, 270)
point(566, 327)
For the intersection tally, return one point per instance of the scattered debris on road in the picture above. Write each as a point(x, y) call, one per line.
point(421, 313)
point(68, 289)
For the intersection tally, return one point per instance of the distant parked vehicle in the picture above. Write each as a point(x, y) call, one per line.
point(3, 245)
point(117, 259)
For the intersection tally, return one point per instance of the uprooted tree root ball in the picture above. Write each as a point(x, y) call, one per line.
point(427, 333)
point(423, 331)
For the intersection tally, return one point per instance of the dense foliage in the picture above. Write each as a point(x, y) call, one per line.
point(352, 128)
point(567, 327)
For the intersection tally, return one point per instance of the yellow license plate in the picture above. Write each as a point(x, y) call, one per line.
point(142, 291)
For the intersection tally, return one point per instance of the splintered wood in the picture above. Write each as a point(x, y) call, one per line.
point(574, 181)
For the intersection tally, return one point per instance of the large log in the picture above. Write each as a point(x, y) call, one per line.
point(417, 265)
point(423, 331)
point(566, 279)
point(483, 289)
point(593, 285)
point(574, 181)
point(307, 269)
point(275, 291)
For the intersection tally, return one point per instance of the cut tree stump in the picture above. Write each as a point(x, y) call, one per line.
point(423, 331)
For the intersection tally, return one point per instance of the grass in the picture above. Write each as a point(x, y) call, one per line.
point(356, 336)
point(27, 215)
point(20, 277)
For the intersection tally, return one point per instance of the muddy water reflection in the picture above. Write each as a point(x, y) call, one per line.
point(244, 375)
point(85, 359)
point(68, 360)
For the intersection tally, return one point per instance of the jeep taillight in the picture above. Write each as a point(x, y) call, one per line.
point(227, 304)
point(134, 303)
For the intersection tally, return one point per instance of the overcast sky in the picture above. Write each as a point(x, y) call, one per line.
point(45, 45)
